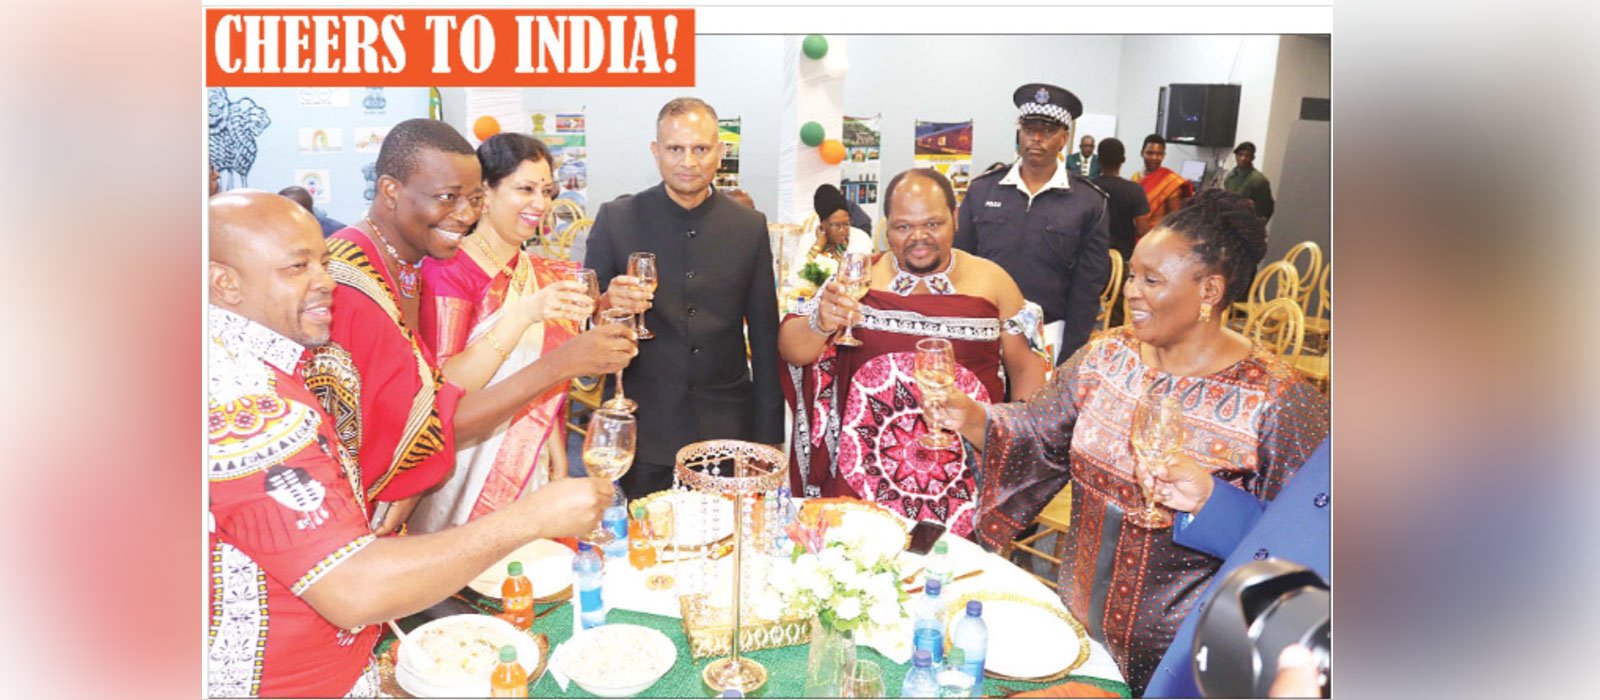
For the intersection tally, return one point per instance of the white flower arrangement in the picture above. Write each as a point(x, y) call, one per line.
point(848, 582)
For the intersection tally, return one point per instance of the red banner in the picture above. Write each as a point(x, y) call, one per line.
point(450, 48)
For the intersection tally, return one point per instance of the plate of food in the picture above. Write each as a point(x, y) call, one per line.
point(849, 516)
point(1029, 639)
point(699, 519)
point(546, 563)
point(617, 660)
point(454, 656)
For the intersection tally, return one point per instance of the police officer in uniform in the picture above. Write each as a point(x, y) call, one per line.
point(1043, 224)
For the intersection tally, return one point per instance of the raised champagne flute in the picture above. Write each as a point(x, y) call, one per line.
point(855, 276)
point(934, 368)
point(608, 454)
point(662, 525)
point(643, 266)
point(1156, 434)
point(591, 287)
point(619, 402)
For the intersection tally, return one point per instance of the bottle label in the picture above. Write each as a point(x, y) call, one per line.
point(974, 668)
point(518, 602)
point(590, 599)
point(930, 638)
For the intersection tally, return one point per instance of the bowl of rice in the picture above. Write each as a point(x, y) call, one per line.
point(617, 660)
point(458, 654)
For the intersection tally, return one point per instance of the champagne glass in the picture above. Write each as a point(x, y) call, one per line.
point(591, 287)
point(643, 266)
point(661, 521)
point(608, 453)
point(935, 372)
point(855, 276)
point(862, 679)
point(1156, 433)
point(619, 402)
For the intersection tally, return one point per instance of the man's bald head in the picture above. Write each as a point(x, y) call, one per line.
point(300, 196)
point(269, 264)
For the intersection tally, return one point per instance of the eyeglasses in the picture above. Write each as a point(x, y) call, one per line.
point(843, 226)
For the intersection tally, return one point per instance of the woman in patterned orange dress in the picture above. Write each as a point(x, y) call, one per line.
point(1248, 418)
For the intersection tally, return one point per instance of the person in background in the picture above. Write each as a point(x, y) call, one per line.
point(696, 380)
point(493, 310)
point(302, 197)
point(405, 416)
point(1085, 162)
point(741, 197)
point(856, 425)
point(299, 586)
point(1225, 521)
point(1125, 202)
point(1164, 189)
point(1246, 180)
point(1248, 418)
point(1042, 223)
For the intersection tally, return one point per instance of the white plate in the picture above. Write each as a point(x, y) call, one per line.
point(546, 563)
point(427, 682)
point(617, 660)
point(1028, 638)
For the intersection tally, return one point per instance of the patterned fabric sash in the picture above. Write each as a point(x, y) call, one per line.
point(1162, 184)
point(424, 432)
point(516, 463)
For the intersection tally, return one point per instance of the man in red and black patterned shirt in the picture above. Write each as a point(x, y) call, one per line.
point(292, 558)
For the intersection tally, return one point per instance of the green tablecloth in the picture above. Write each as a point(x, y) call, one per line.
point(786, 667)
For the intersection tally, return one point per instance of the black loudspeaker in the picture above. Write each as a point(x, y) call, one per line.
point(1199, 115)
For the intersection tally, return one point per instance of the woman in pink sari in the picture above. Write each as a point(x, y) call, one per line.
point(521, 306)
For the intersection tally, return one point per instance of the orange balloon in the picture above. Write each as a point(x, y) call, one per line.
point(832, 151)
point(485, 127)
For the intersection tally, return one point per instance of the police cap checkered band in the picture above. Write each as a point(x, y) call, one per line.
point(1046, 110)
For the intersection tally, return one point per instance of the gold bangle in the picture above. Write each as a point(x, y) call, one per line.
point(497, 347)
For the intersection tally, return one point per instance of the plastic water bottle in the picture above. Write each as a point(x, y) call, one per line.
point(971, 636)
point(920, 681)
point(587, 569)
point(927, 630)
point(615, 520)
point(954, 682)
point(938, 564)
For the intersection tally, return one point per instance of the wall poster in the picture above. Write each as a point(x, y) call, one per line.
point(946, 147)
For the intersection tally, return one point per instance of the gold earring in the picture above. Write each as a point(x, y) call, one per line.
point(1205, 311)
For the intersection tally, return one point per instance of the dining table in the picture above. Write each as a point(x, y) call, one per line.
point(629, 599)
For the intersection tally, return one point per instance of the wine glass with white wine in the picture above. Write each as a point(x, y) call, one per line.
point(608, 454)
point(643, 266)
point(591, 287)
point(935, 371)
point(661, 523)
point(855, 275)
point(1156, 434)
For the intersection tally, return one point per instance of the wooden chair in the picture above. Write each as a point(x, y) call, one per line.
point(1319, 320)
point(1276, 280)
point(1280, 326)
point(583, 397)
point(789, 247)
point(880, 236)
point(559, 245)
point(1055, 518)
point(1108, 296)
point(1308, 273)
point(561, 215)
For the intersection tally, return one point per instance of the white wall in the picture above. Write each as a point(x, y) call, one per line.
point(1303, 71)
point(1151, 62)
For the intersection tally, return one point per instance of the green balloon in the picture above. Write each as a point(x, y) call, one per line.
point(815, 46)
point(811, 134)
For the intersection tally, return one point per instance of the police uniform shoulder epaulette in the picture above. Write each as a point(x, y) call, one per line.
point(1075, 178)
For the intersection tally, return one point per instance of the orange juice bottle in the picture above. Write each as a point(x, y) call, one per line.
point(509, 680)
point(516, 594)
point(641, 554)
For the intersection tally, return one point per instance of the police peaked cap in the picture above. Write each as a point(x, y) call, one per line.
point(1045, 102)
